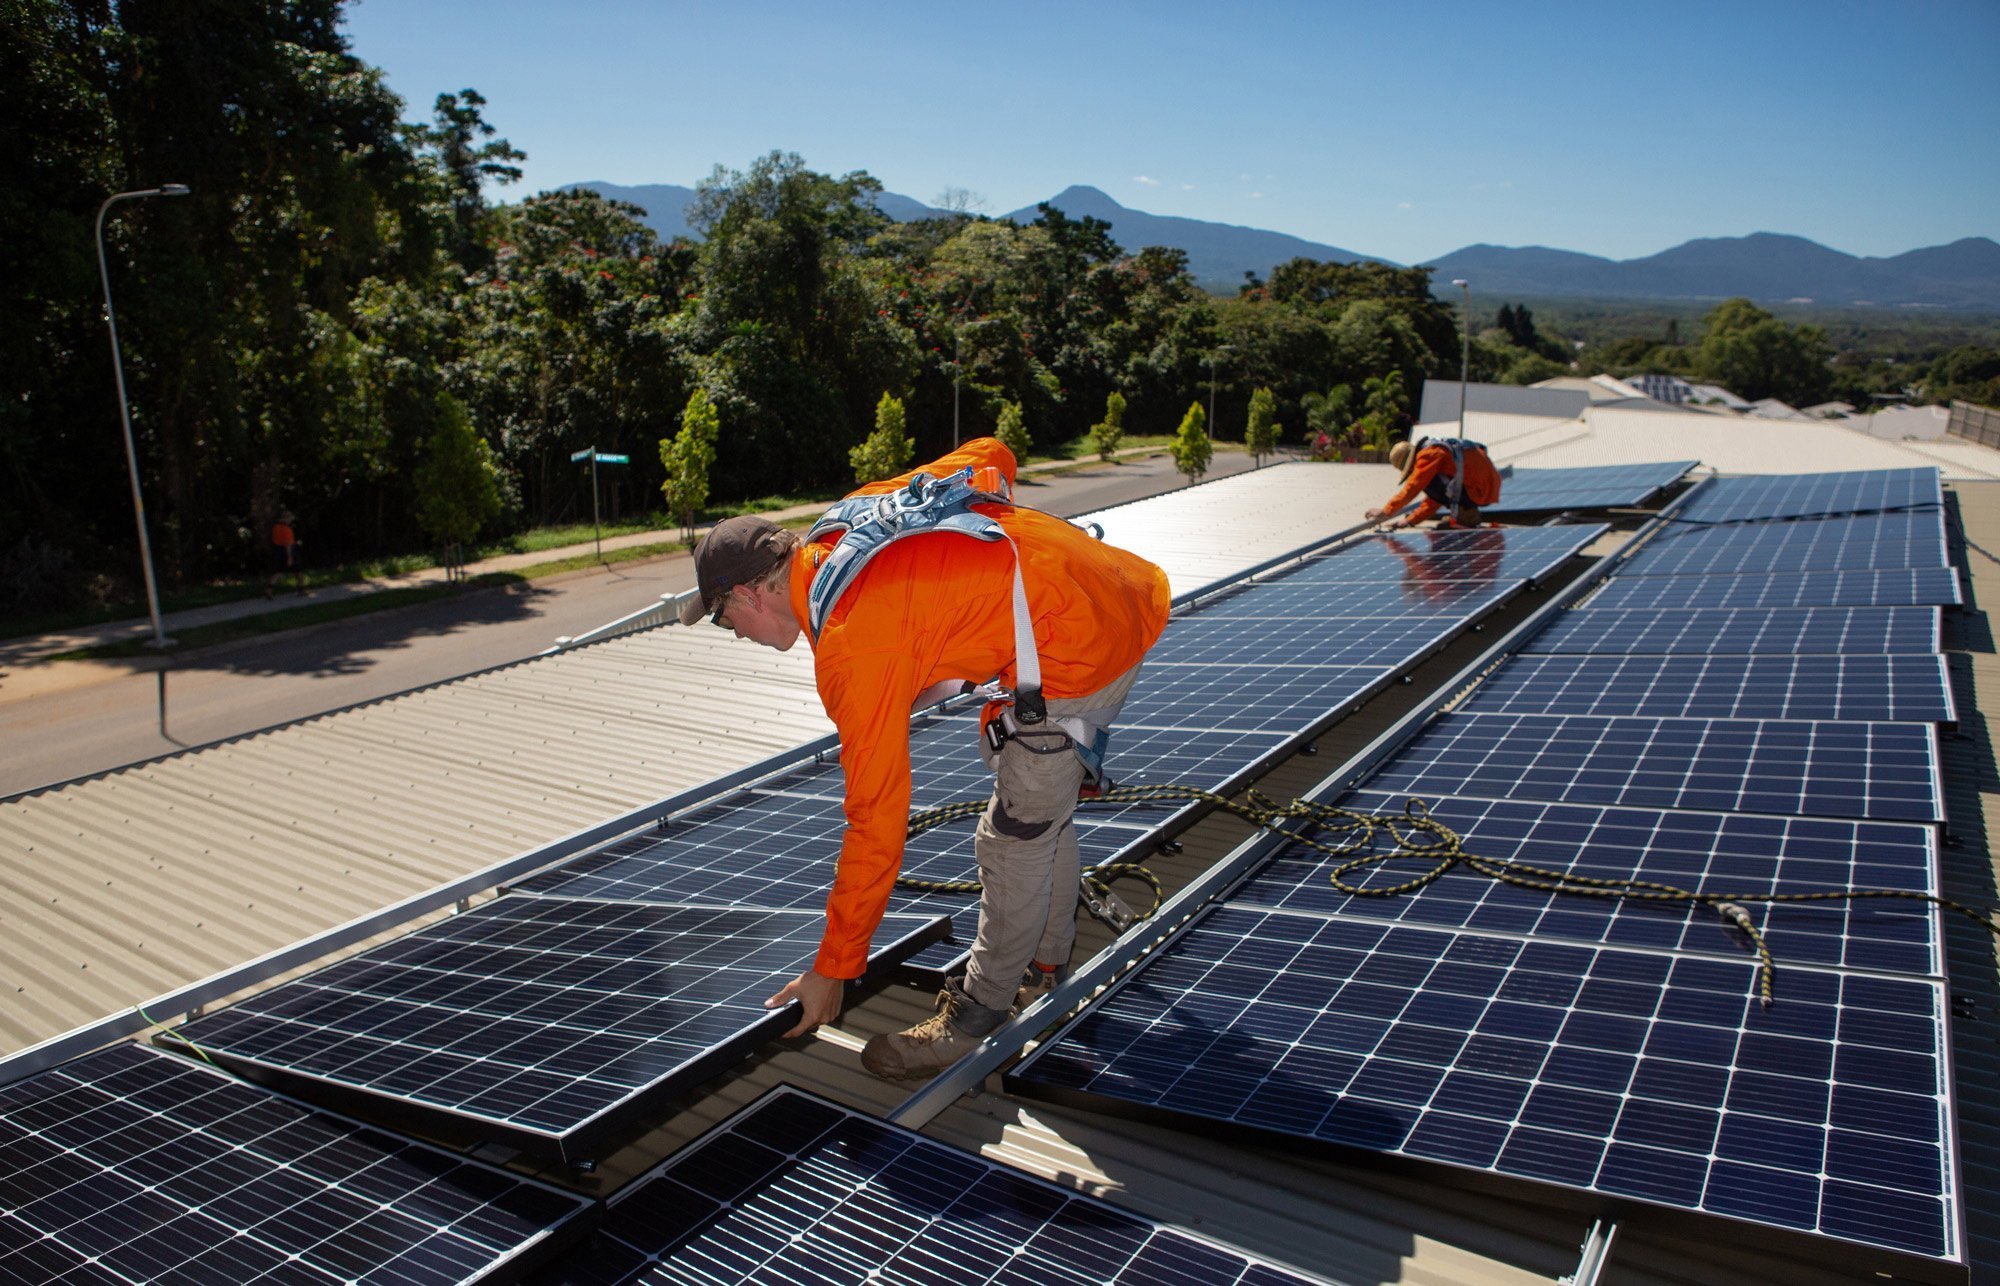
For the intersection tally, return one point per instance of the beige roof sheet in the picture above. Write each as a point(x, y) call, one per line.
point(134, 885)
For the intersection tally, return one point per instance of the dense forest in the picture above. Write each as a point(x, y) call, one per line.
point(343, 307)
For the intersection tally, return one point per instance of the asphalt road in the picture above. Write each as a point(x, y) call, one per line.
point(109, 715)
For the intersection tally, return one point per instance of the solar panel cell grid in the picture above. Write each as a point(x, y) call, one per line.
point(133, 1165)
point(1911, 688)
point(1591, 487)
point(1294, 641)
point(1899, 587)
point(1879, 771)
point(1321, 600)
point(795, 1189)
point(1719, 631)
point(1420, 558)
point(538, 1019)
point(1710, 853)
point(1794, 495)
point(1635, 1074)
point(1241, 698)
point(1814, 545)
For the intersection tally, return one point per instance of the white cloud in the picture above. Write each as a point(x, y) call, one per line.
point(1187, 187)
point(1243, 178)
point(1402, 205)
point(1149, 182)
point(1256, 196)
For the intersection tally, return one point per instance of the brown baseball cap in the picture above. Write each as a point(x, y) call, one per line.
point(736, 551)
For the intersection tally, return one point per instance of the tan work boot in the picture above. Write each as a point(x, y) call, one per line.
point(934, 1044)
point(1038, 980)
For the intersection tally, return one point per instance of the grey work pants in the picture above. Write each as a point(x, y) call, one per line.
point(1026, 847)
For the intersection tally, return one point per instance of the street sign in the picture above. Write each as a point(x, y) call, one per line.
point(596, 458)
point(577, 457)
point(604, 457)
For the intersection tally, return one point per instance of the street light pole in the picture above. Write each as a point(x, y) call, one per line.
point(1464, 352)
point(1213, 356)
point(957, 363)
point(160, 639)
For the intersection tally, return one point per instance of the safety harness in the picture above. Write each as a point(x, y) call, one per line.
point(867, 525)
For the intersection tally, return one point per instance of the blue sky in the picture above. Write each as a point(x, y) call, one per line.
point(1400, 130)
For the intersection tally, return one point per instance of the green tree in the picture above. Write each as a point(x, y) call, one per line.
point(1012, 432)
point(687, 458)
point(886, 452)
point(1192, 449)
point(1260, 433)
point(1105, 434)
point(1753, 354)
point(1387, 398)
point(457, 491)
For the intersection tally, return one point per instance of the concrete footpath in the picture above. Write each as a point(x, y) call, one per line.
point(29, 649)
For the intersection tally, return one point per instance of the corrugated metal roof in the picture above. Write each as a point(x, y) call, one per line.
point(132, 885)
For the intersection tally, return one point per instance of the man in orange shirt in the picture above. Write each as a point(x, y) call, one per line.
point(927, 616)
point(1431, 466)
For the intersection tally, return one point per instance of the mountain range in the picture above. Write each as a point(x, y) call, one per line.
point(1766, 266)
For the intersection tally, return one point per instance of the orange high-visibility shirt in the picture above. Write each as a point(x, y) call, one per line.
point(1482, 480)
point(932, 608)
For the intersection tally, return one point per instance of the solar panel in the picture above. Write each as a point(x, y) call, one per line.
point(795, 1189)
point(1817, 545)
point(1293, 641)
point(774, 850)
point(1894, 587)
point(1242, 698)
point(541, 1021)
point(1700, 852)
point(1420, 558)
point(1281, 597)
point(1910, 688)
point(1721, 631)
point(1592, 487)
point(131, 1165)
point(1793, 495)
point(1879, 771)
point(1634, 1074)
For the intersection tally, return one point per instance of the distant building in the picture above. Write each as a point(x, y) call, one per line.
point(1829, 410)
point(1440, 402)
point(1770, 408)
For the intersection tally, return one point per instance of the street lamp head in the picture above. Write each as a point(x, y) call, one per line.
point(1460, 281)
point(173, 189)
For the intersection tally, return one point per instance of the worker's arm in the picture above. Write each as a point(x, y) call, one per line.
point(868, 697)
point(1429, 463)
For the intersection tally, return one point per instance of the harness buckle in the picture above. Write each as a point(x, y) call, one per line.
point(1029, 708)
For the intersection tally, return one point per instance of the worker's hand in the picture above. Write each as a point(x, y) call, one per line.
point(818, 997)
point(1376, 515)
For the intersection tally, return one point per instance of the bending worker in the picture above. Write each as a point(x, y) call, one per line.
point(1454, 474)
point(902, 620)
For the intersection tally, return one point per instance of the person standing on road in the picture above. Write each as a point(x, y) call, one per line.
point(1453, 474)
point(921, 618)
point(285, 555)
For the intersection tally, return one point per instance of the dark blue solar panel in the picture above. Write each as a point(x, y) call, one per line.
point(1592, 487)
point(1721, 631)
point(539, 1020)
point(1244, 698)
point(1880, 771)
point(1321, 600)
point(1813, 545)
point(1419, 559)
point(130, 1165)
point(1634, 1074)
point(1794, 495)
point(795, 1189)
point(1700, 852)
point(1898, 587)
point(1911, 688)
point(1295, 641)
point(769, 850)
